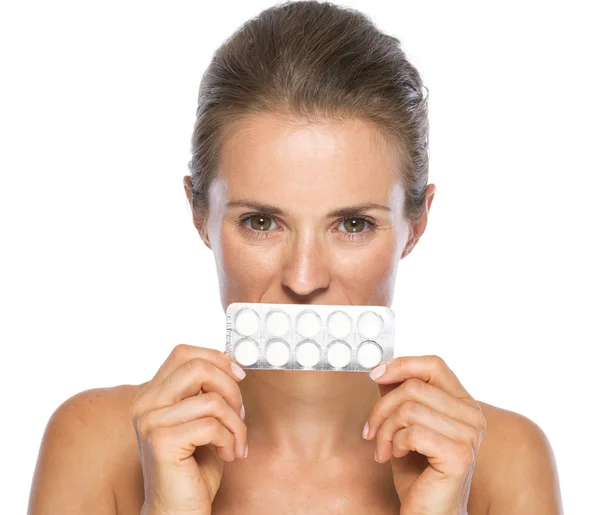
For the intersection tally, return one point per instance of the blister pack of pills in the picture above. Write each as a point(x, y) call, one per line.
point(309, 336)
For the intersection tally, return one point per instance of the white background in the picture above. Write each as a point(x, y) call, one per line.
point(103, 273)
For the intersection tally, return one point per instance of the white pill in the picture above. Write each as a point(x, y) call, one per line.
point(278, 323)
point(277, 353)
point(339, 324)
point(338, 354)
point(308, 354)
point(369, 355)
point(246, 352)
point(308, 324)
point(370, 325)
point(247, 322)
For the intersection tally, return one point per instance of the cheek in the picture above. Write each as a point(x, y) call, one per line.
point(368, 275)
point(372, 262)
point(245, 266)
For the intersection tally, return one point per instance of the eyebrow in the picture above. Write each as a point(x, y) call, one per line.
point(269, 209)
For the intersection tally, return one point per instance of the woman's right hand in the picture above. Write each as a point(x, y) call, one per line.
point(188, 420)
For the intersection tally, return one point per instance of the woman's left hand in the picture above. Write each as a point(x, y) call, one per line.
point(425, 409)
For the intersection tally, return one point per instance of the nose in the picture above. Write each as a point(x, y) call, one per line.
point(306, 269)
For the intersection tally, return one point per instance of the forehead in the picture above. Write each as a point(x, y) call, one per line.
point(268, 154)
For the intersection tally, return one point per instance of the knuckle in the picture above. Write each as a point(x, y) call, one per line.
point(212, 424)
point(480, 421)
point(230, 441)
point(413, 436)
point(227, 439)
point(137, 410)
point(438, 362)
point(213, 401)
point(181, 352)
point(407, 411)
point(474, 438)
point(376, 410)
point(467, 456)
point(156, 439)
point(198, 365)
point(220, 357)
point(143, 426)
point(398, 445)
point(412, 385)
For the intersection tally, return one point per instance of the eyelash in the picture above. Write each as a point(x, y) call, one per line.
point(351, 236)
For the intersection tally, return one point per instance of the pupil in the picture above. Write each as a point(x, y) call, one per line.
point(261, 222)
point(355, 225)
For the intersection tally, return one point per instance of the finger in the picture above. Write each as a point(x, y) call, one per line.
point(446, 456)
point(171, 445)
point(412, 413)
point(431, 369)
point(194, 377)
point(426, 394)
point(204, 406)
point(183, 353)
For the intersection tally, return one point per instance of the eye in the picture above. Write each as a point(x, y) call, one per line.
point(353, 228)
point(357, 228)
point(258, 224)
point(356, 224)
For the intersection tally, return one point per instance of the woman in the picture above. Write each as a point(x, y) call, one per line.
point(309, 183)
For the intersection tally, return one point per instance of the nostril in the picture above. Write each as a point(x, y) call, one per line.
point(304, 296)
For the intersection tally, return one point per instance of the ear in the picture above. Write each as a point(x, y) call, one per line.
point(199, 222)
point(417, 227)
point(412, 239)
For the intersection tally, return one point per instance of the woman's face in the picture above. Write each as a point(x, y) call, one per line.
point(306, 214)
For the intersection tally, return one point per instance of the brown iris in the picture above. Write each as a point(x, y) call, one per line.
point(355, 225)
point(263, 222)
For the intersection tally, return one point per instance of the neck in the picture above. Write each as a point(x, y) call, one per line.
point(307, 415)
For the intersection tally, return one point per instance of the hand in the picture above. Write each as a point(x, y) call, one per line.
point(431, 429)
point(187, 421)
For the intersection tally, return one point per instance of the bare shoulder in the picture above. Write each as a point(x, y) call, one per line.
point(508, 434)
point(75, 460)
point(103, 414)
point(108, 412)
point(516, 466)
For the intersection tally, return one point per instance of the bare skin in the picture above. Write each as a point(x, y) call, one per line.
point(305, 256)
point(352, 483)
point(306, 454)
point(308, 421)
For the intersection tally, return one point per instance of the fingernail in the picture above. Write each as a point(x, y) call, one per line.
point(375, 456)
point(246, 451)
point(237, 371)
point(377, 372)
point(365, 432)
point(243, 412)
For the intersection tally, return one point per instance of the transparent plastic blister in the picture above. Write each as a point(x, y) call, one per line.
point(309, 336)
